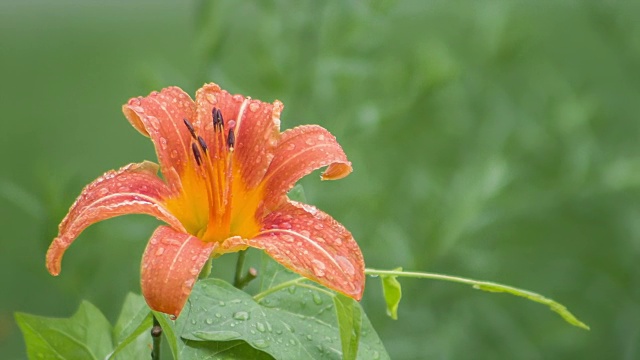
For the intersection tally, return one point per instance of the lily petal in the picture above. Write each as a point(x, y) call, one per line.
point(314, 245)
point(256, 128)
point(300, 151)
point(134, 189)
point(170, 267)
point(160, 116)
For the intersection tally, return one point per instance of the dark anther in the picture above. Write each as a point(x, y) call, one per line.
point(156, 331)
point(196, 153)
point(203, 144)
point(231, 139)
point(190, 127)
point(217, 118)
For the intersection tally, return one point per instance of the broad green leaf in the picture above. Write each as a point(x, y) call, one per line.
point(85, 335)
point(349, 317)
point(392, 292)
point(213, 350)
point(132, 330)
point(182, 349)
point(293, 322)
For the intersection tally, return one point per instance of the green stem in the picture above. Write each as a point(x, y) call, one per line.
point(156, 335)
point(487, 286)
point(239, 278)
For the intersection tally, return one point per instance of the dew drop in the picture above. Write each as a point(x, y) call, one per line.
point(104, 191)
point(345, 265)
point(317, 299)
point(292, 341)
point(321, 137)
point(174, 154)
point(163, 143)
point(291, 289)
point(160, 251)
point(285, 226)
point(291, 147)
point(218, 315)
point(221, 303)
point(310, 142)
point(254, 106)
point(318, 267)
point(241, 315)
point(209, 321)
point(309, 337)
point(376, 355)
point(260, 326)
point(172, 317)
point(193, 321)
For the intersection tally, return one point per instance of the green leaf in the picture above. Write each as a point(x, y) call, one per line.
point(288, 320)
point(132, 330)
point(85, 335)
point(297, 194)
point(392, 292)
point(350, 323)
point(219, 348)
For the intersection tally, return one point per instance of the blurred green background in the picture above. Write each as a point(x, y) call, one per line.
point(491, 139)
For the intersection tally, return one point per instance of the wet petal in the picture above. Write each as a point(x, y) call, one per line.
point(257, 128)
point(170, 267)
point(300, 151)
point(134, 189)
point(314, 245)
point(161, 117)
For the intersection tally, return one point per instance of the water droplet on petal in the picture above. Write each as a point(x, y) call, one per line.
point(310, 142)
point(104, 191)
point(163, 143)
point(160, 251)
point(174, 154)
point(345, 265)
point(254, 106)
point(318, 267)
point(321, 137)
point(291, 147)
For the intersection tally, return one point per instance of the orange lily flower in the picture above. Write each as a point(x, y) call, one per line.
point(226, 170)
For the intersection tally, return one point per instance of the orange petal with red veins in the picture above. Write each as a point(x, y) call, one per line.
point(314, 245)
point(134, 189)
point(170, 267)
point(257, 128)
point(300, 151)
point(161, 117)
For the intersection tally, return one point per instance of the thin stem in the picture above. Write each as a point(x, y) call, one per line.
point(421, 275)
point(487, 286)
point(238, 280)
point(156, 335)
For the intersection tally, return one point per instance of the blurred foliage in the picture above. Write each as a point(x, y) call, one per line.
point(491, 139)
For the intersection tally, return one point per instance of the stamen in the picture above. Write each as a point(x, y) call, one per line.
point(196, 153)
point(203, 144)
point(231, 140)
point(190, 127)
point(218, 122)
